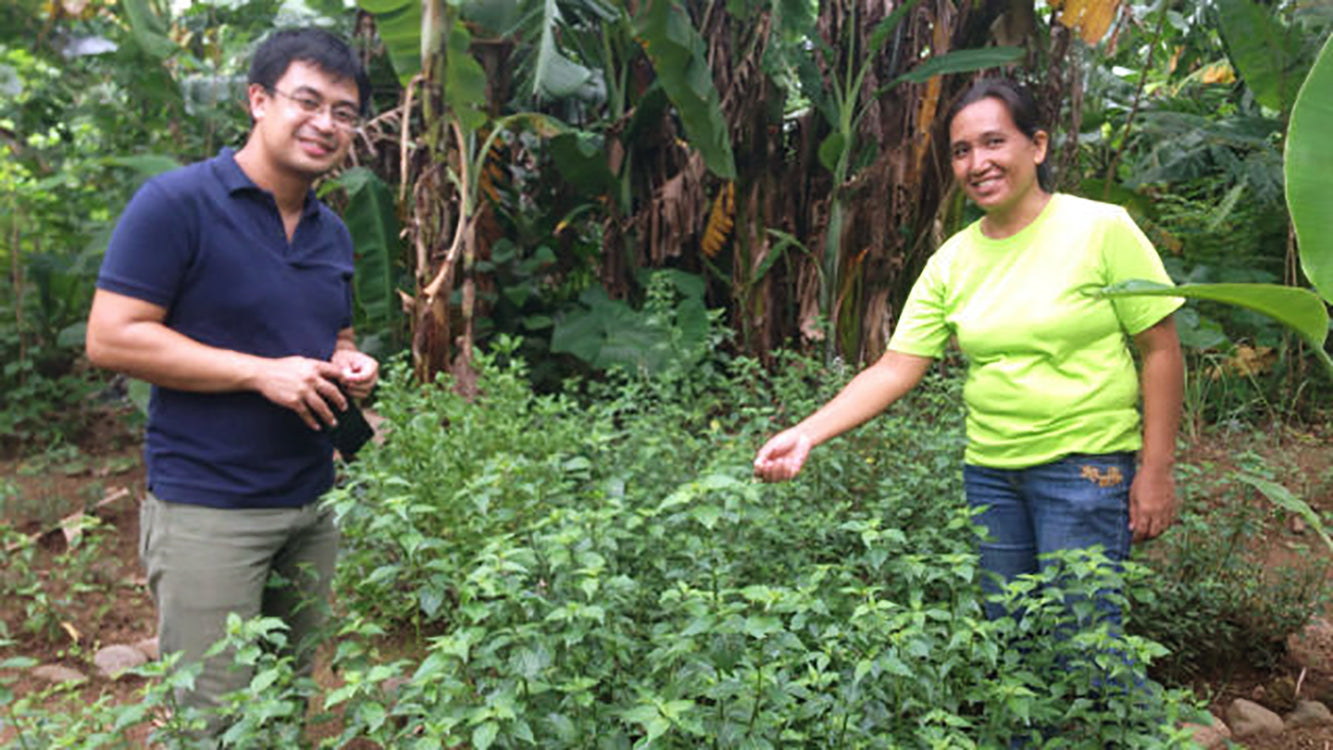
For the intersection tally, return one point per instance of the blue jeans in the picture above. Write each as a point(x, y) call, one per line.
point(1075, 502)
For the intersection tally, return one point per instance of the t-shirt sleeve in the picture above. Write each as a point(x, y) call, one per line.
point(1127, 254)
point(149, 250)
point(922, 329)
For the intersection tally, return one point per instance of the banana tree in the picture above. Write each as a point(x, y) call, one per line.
point(1309, 184)
point(445, 93)
point(837, 150)
point(429, 46)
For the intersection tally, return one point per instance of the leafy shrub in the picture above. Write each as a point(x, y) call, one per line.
point(1215, 603)
point(604, 572)
point(46, 597)
point(269, 712)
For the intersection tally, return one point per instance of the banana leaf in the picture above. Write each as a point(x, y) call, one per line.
point(1308, 159)
point(1299, 309)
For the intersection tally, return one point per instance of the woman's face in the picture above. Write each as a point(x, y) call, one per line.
point(994, 162)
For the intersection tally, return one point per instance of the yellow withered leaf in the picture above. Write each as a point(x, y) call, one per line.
point(1218, 73)
point(720, 220)
point(1247, 361)
point(1091, 18)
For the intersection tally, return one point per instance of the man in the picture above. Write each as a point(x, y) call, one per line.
point(227, 286)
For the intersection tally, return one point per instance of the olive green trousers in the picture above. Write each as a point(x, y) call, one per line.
point(205, 563)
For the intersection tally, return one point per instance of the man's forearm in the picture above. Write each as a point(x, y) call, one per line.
point(155, 353)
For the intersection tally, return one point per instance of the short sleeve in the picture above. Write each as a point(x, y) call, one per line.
point(149, 250)
point(1127, 254)
point(922, 329)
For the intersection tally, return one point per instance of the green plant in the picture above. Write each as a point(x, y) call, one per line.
point(604, 570)
point(673, 333)
point(1303, 311)
point(270, 710)
point(1216, 604)
point(47, 593)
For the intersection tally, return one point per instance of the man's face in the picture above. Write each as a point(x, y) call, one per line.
point(304, 123)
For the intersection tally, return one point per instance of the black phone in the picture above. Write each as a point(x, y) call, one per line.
point(352, 431)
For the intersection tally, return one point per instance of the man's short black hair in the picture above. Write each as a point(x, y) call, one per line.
point(315, 46)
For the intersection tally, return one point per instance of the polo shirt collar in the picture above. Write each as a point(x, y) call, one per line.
point(234, 179)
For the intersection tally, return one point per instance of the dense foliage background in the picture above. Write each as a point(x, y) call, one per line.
point(527, 178)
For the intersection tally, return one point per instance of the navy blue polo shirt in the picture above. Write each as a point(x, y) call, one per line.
point(208, 245)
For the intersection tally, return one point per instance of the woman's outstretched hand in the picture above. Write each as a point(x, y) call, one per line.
point(782, 456)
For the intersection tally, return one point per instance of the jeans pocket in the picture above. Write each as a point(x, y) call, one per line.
point(1083, 500)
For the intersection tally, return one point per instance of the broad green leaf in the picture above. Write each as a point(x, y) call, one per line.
point(830, 151)
point(1308, 159)
point(464, 79)
point(961, 61)
point(640, 714)
point(1199, 332)
point(1298, 309)
point(72, 336)
point(1262, 50)
point(679, 58)
point(141, 394)
point(484, 735)
point(762, 626)
point(399, 26)
point(557, 76)
point(373, 224)
point(1282, 497)
point(150, 32)
point(581, 158)
point(499, 18)
point(1121, 195)
point(431, 598)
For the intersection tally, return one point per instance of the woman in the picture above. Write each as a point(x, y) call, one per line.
point(1051, 393)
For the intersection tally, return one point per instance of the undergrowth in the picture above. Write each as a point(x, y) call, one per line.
point(597, 568)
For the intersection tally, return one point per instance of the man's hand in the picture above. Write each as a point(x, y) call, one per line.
point(358, 372)
point(1152, 502)
point(308, 387)
point(782, 457)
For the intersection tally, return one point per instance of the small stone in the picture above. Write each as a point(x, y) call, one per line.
point(58, 673)
point(1309, 714)
point(111, 661)
point(1312, 647)
point(148, 647)
point(1249, 719)
point(1212, 737)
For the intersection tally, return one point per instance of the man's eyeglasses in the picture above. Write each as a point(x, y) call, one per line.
point(343, 115)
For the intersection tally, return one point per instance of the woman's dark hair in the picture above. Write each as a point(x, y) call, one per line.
point(315, 46)
point(1022, 108)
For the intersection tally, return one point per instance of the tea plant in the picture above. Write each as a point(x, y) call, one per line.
point(604, 572)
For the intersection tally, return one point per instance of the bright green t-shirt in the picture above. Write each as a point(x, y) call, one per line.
point(1049, 367)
